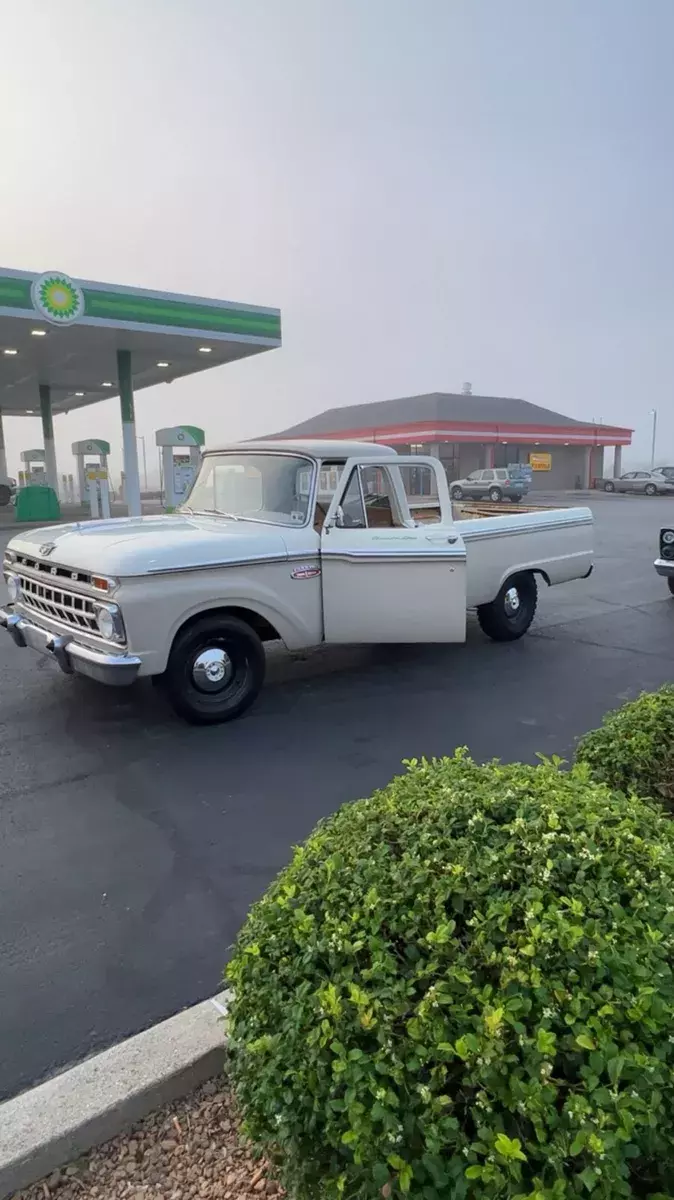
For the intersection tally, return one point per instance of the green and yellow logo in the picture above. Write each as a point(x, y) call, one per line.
point(58, 299)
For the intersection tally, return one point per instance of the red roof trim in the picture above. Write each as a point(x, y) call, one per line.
point(477, 431)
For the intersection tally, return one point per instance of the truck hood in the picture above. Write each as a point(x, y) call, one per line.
point(142, 545)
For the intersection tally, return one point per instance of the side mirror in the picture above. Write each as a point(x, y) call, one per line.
point(339, 518)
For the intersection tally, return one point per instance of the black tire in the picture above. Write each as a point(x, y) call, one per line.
point(609, 485)
point(516, 499)
point(501, 620)
point(650, 490)
point(670, 584)
point(495, 494)
point(212, 701)
point(457, 493)
point(5, 495)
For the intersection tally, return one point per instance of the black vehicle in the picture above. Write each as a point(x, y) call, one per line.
point(664, 565)
point(7, 491)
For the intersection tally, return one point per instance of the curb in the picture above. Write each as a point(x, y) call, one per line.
point(57, 1121)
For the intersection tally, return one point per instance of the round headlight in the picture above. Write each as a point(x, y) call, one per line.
point(668, 537)
point(14, 588)
point(105, 623)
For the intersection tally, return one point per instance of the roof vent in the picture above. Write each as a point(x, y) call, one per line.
point(466, 389)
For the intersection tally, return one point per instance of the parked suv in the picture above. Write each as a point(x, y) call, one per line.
point(496, 483)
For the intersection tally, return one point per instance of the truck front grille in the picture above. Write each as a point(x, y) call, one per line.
point(68, 607)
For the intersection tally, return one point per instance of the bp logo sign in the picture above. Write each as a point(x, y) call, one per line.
point(57, 298)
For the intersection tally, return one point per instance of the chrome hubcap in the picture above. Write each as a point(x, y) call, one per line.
point(212, 670)
point(512, 602)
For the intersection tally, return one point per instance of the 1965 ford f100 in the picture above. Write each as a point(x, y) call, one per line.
point(308, 542)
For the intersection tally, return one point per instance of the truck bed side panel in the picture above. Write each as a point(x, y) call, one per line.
point(556, 542)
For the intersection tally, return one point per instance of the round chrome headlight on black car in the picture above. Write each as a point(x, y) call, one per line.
point(667, 537)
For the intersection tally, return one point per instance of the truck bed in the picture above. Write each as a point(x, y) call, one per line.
point(428, 510)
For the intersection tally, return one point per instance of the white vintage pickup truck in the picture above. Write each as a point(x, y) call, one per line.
point(308, 542)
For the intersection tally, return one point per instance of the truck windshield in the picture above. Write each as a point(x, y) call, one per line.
point(274, 488)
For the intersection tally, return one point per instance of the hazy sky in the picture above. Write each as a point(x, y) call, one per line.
point(432, 191)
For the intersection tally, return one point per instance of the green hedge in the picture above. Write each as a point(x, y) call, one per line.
point(633, 751)
point(461, 987)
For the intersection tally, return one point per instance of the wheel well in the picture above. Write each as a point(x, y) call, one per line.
point(263, 628)
point(543, 574)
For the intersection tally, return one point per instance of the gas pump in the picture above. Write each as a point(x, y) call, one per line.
point(180, 460)
point(90, 455)
point(35, 469)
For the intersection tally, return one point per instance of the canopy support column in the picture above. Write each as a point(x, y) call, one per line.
point(131, 475)
point(3, 456)
point(48, 438)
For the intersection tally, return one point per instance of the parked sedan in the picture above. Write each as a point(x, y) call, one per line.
point(649, 483)
point(497, 483)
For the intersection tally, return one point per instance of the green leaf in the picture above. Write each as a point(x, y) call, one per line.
point(474, 1172)
point(546, 1041)
point(588, 1178)
point(614, 1068)
point(584, 1040)
point(509, 1148)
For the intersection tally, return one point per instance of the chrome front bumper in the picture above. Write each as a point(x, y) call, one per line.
point(664, 567)
point(119, 670)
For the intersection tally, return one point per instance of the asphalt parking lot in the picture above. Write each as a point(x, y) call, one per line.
point(131, 845)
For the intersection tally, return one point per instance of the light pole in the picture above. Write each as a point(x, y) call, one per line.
point(653, 412)
point(142, 439)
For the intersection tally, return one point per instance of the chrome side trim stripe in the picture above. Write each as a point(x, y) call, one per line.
point(395, 556)
point(477, 535)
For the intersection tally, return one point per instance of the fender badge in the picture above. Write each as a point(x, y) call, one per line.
point(306, 571)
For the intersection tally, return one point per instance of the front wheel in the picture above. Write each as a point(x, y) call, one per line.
point(215, 670)
point(509, 616)
point(457, 493)
point(670, 583)
point(5, 495)
point(516, 499)
point(495, 494)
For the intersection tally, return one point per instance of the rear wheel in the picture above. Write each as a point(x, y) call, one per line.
point(509, 616)
point(651, 489)
point(457, 493)
point(215, 670)
point(609, 486)
point(495, 494)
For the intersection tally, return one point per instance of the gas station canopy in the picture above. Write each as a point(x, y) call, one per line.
point(67, 343)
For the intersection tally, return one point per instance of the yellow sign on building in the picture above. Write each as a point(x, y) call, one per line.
point(540, 462)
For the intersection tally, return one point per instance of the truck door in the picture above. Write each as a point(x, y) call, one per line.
point(386, 578)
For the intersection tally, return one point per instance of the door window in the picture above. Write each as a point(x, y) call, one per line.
point(421, 490)
point(328, 479)
point(380, 505)
point(501, 474)
point(475, 476)
point(353, 508)
point(487, 476)
point(369, 500)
